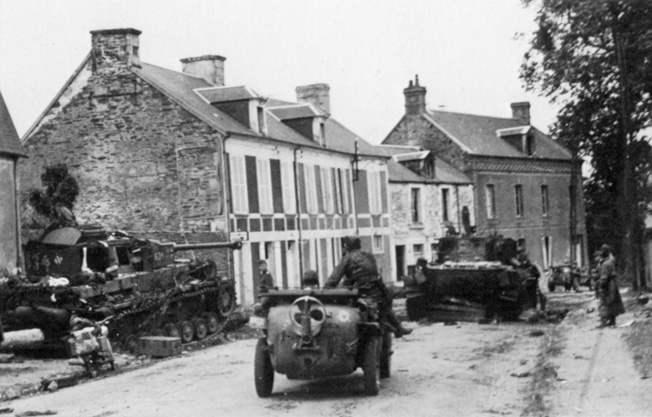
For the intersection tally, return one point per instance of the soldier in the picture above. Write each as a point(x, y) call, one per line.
point(611, 305)
point(359, 270)
point(595, 273)
point(310, 280)
point(266, 279)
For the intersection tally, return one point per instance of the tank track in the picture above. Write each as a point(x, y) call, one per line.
point(165, 310)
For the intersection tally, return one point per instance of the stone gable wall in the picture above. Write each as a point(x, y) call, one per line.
point(143, 163)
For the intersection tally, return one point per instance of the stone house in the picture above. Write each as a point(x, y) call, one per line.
point(521, 177)
point(429, 199)
point(10, 151)
point(180, 156)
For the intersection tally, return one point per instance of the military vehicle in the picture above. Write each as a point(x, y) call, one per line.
point(319, 333)
point(474, 278)
point(86, 272)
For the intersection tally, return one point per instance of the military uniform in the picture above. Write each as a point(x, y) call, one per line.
point(359, 270)
point(611, 304)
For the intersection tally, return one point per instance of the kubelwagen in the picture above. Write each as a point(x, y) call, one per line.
point(316, 333)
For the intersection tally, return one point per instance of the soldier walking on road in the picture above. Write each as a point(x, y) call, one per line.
point(611, 305)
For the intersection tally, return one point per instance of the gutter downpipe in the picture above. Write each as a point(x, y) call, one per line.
point(227, 204)
point(298, 210)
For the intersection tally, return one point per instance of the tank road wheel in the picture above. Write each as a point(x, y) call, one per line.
point(187, 331)
point(212, 322)
point(201, 328)
point(386, 356)
point(171, 330)
point(263, 370)
point(371, 365)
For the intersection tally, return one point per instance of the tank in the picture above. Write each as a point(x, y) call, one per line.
point(85, 272)
point(473, 278)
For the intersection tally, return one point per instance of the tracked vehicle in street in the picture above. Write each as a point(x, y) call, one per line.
point(474, 278)
point(86, 272)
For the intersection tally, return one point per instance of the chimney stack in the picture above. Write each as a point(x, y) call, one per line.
point(415, 98)
point(115, 48)
point(208, 67)
point(521, 111)
point(317, 94)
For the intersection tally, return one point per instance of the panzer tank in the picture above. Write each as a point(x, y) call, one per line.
point(473, 278)
point(85, 272)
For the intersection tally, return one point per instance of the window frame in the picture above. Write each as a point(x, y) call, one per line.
point(375, 193)
point(415, 205)
point(327, 190)
point(312, 206)
point(518, 199)
point(288, 188)
point(264, 177)
point(239, 191)
point(490, 200)
point(545, 200)
point(377, 243)
point(445, 197)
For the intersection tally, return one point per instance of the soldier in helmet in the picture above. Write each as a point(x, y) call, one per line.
point(358, 269)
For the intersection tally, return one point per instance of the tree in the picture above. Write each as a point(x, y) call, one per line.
point(594, 58)
point(58, 199)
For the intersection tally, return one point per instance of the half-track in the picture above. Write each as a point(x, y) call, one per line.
point(85, 272)
point(474, 278)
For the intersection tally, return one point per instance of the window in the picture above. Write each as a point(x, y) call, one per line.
point(444, 203)
point(338, 191)
point(327, 190)
point(375, 193)
point(377, 243)
point(239, 197)
point(490, 195)
point(345, 190)
point(264, 186)
point(530, 145)
point(518, 194)
point(415, 204)
point(544, 200)
point(311, 188)
point(261, 119)
point(322, 132)
point(287, 179)
point(418, 251)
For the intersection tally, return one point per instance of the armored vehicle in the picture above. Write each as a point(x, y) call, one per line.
point(473, 278)
point(320, 333)
point(86, 272)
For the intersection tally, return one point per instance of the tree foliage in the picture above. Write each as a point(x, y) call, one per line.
point(594, 58)
point(56, 202)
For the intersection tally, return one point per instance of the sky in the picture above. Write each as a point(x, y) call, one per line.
point(467, 53)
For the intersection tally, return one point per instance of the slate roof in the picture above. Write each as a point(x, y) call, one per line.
point(295, 111)
point(9, 141)
point(220, 94)
point(477, 135)
point(193, 92)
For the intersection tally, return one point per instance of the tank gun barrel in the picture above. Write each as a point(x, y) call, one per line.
point(234, 245)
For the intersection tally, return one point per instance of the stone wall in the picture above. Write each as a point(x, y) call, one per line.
point(143, 163)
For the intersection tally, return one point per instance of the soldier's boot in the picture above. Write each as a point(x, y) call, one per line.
point(401, 331)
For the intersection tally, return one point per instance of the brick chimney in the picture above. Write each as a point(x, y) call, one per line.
point(521, 111)
point(115, 48)
point(415, 98)
point(317, 94)
point(208, 67)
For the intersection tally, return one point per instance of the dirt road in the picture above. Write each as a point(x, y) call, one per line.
point(458, 370)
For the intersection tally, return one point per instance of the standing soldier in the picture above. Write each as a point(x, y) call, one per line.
point(611, 305)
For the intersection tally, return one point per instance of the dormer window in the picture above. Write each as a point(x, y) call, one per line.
point(260, 111)
point(519, 137)
point(306, 119)
point(322, 133)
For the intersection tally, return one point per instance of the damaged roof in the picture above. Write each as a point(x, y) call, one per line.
point(9, 141)
point(444, 174)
